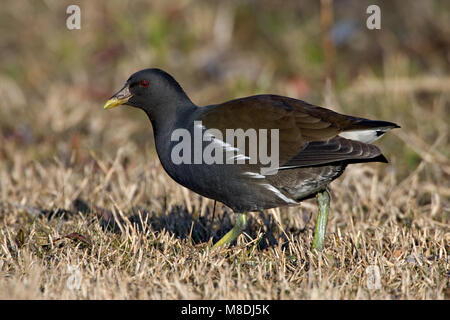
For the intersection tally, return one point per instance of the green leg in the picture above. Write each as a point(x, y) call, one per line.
point(323, 201)
point(239, 226)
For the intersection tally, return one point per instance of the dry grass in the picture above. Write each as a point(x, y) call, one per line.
point(159, 246)
point(83, 193)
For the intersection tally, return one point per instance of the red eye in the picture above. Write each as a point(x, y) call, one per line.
point(144, 83)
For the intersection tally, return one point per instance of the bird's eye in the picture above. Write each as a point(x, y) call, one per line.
point(144, 83)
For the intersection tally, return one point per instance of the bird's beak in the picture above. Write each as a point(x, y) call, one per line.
point(119, 98)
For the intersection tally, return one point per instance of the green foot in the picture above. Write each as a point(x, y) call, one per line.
point(323, 201)
point(239, 226)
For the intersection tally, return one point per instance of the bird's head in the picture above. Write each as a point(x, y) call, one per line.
point(149, 89)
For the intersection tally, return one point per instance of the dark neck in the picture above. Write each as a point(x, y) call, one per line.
point(164, 115)
point(168, 104)
point(165, 119)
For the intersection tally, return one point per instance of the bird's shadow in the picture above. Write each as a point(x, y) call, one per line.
point(182, 223)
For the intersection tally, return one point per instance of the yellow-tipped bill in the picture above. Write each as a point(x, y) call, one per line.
point(114, 102)
point(119, 98)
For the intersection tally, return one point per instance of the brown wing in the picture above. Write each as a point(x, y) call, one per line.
point(296, 125)
point(334, 150)
point(299, 123)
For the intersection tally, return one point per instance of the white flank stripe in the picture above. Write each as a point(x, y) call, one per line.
point(279, 194)
point(239, 157)
point(228, 147)
point(254, 175)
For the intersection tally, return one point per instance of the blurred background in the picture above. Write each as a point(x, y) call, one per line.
point(54, 81)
